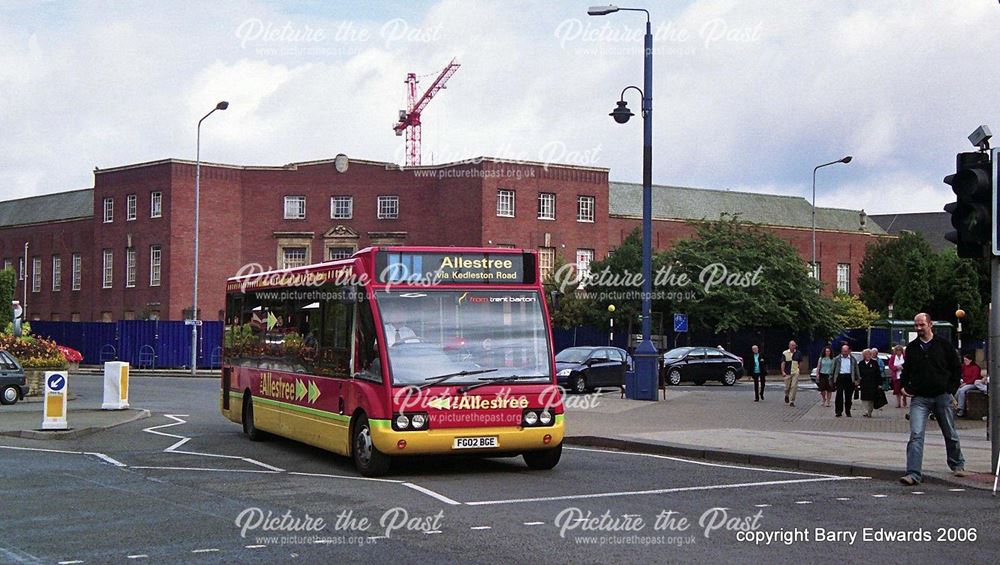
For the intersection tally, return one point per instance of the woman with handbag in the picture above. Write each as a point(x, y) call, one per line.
point(871, 381)
point(895, 368)
point(824, 376)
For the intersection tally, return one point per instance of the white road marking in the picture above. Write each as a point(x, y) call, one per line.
point(106, 458)
point(166, 468)
point(258, 546)
point(842, 498)
point(481, 528)
point(534, 523)
point(178, 420)
point(917, 492)
point(329, 476)
point(432, 532)
point(761, 505)
point(70, 562)
point(137, 556)
point(212, 550)
point(880, 496)
point(40, 449)
point(803, 502)
point(663, 490)
point(704, 463)
point(956, 490)
point(432, 494)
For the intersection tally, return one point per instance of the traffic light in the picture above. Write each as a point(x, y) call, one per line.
point(972, 213)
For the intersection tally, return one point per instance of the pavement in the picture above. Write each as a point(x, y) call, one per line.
point(725, 424)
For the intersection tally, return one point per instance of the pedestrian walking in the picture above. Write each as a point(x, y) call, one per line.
point(871, 381)
point(931, 376)
point(895, 368)
point(754, 364)
point(824, 376)
point(846, 368)
point(790, 359)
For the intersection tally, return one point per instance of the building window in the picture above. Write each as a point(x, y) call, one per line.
point(546, 206)
point(295, 207)
point(7, 264)
point(844, 277)
point(155, 204)
point(130, 267)
point(505, 203)
point(109, 210)
point(585, 208)
point(74, 317)
point(56, 273)
point(108, 268)
point(77, 271)
point(20, 268)
point(293, 257)
point(36, 274)
point(341, 207)
point(583, 259)
point(546, 260)
point(130, 208)
point(154, 265)
point(815, 271)
point(388, 207)
point(334, 253)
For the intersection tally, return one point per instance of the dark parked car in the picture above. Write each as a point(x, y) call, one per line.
point(700, 364)
point(13, 387)
point(580, 369)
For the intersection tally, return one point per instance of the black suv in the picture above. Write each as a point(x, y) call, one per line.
point(13, 387)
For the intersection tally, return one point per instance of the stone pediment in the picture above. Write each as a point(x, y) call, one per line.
point(340, 232)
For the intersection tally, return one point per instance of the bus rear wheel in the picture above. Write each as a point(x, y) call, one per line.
point(544, 459)
point(369, 461)
point(249, 428)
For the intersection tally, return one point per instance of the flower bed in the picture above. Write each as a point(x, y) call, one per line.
point(36, 355)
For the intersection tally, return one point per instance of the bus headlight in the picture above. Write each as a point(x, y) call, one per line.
point(530, 418)
point(402, 422)
point(545, 417)
point(418, 421)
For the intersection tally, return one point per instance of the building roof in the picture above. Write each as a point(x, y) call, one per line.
point(76, 204)
point(681, 203)
point(931, 225)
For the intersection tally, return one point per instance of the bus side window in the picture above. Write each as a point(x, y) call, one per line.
point(368, 353)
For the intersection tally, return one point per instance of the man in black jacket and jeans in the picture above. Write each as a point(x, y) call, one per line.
point(931, 376)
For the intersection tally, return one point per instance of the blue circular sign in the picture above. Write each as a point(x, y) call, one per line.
point(56, 382)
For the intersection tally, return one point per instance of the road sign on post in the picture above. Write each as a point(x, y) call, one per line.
point(680, 323)
point(54, 416)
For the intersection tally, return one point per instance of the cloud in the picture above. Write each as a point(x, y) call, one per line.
point(749, 95)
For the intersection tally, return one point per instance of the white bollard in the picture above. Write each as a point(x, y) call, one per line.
point(56, 389)
point(115, 386)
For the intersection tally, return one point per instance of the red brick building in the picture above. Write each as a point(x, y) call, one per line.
point(124, 249)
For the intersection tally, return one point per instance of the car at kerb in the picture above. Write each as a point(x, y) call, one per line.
point(13, 386)
point(700, 364)
point(580, 369)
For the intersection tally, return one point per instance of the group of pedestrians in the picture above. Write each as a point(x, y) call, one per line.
point(926, 376)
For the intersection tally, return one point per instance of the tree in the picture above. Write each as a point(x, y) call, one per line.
point(913, 295)
point(883, 271)
point(616, 280)
point(745, 278)
point(851, 312)
point(8, 284)
point(964, 290)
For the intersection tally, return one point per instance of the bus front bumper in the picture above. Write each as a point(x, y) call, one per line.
point(508, 439)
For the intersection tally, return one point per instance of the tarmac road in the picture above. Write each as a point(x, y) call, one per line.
point(132, 493)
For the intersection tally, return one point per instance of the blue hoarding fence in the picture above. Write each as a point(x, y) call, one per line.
point(142, 343)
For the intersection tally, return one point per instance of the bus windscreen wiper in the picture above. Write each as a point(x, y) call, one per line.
point(430, 381)
point(507, 379)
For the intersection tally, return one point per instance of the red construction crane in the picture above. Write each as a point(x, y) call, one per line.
point(409, 119)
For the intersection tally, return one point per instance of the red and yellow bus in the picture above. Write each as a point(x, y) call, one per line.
point(399, 351)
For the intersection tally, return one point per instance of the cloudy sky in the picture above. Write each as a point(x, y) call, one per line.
point(748, 95)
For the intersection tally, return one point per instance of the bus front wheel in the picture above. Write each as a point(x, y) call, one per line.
point(369, 461)
point(544, 459)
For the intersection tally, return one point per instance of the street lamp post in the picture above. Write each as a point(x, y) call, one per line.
point(812, 265)
point(197, 202)
point(645, 354)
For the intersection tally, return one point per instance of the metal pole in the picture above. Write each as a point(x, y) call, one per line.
point(24, 273)
point(994, 361)
point(813, 267)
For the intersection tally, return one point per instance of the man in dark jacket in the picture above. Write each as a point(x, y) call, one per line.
point(754, 365)
point(931, 375)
